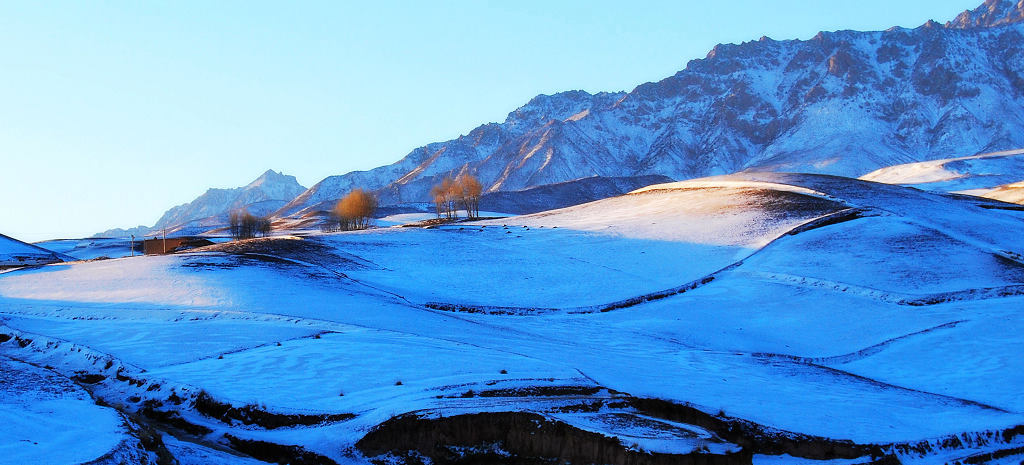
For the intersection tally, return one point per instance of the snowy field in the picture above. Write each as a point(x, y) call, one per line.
point(46, 418)
point(92, 248)
point(804, 304)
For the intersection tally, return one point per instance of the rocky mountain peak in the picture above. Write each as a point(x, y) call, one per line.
point(273, 178)
point(264, 194)
point(561, 106)
point(989, 14)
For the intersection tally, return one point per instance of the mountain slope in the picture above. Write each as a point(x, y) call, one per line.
point(985, 171)
point(844, 102)
point(270, 186)
point(1013, 192)
point(267, 193)
point(564, 194)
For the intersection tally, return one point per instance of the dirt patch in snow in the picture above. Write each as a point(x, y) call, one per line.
point(288, 249)
point(753, 437)
point(511, 438)
point(277, 453)
point(253, 415)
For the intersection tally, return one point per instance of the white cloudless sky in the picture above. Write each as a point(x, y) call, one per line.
point(114, 112)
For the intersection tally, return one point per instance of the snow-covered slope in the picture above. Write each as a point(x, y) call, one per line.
point(17, 253)
point(564, 194)
point(46, 418)
point(530, 200)
point(973, 173)
point(799, 305)
point(844, 102)
point(719, 212)
point(1013, 192)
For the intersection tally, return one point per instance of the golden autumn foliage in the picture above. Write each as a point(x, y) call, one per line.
point(444, 197)
point(470, 190)
point(355, 210)
point(450, 194)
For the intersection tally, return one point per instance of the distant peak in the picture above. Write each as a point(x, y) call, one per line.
point(989, 14)
point(273, 174)
point(273, 177)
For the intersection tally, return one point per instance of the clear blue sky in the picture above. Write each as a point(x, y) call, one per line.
point(112, 112)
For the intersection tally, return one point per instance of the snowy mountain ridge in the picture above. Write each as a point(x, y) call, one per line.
point(991, 13)
point(843, 103)
point(263, 195)
point(270, 186)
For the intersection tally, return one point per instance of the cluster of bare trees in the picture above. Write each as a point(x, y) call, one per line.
point(354, 211)
point(452, 194)
point(245, 225)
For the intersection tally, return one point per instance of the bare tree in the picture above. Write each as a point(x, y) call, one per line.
point(264, 226)
point(355, 210)
point(245, 225)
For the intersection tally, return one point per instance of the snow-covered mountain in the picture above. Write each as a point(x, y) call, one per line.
point(267, 193)
point(843, 102)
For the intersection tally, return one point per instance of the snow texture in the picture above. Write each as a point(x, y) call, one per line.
point(816, 305)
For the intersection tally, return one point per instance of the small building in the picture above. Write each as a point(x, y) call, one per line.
point(172, 244)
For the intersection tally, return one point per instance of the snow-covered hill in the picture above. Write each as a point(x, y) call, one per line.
point(17, 253)
point(48, 418)
point(844, 102)
point(793, 318)
point(564, 194)
point(1013, 192)
point(975, 173)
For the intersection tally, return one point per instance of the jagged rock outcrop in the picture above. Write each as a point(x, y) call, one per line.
point(990, 13)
